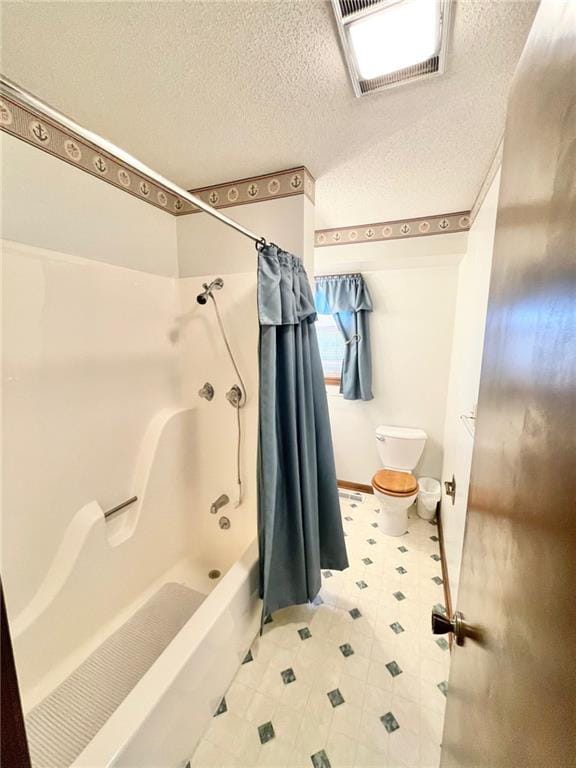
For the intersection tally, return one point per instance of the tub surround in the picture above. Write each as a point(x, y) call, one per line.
point(87, 358)
point(95, 353)
point(203, 357)
point(96, 574)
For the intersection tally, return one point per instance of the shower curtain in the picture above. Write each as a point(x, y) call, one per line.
point(299, 523)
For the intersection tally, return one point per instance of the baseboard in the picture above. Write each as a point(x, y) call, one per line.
point(444, 566)
point(348, 485)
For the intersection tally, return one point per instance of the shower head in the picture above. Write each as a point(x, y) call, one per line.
point(215, 285)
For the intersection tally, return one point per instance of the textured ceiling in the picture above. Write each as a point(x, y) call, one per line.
point(205, 92)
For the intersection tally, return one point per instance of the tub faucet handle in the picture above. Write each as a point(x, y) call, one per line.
point(221, 501)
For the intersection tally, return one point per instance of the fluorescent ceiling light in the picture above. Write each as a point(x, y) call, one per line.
point(395, 37)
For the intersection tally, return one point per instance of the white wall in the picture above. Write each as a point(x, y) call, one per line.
point(87, 362)
point(50, 204)
point(413, 288)
point(470, 318)
point(204, 241)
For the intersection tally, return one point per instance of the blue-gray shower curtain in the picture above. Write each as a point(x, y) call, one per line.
point(347, 299)
point(299, 523)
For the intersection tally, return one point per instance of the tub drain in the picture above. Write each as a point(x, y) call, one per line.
point(214, 573)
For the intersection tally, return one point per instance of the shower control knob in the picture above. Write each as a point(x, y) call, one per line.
point(234, 396)
point(207, 391)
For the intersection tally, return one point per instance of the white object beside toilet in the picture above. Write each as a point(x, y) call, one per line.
point(429, 493)
point(400, 449)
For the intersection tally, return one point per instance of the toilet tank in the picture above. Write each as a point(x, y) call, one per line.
point(400, 447)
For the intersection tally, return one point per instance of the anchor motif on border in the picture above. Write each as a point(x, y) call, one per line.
point(40, 133)
point(296, 182)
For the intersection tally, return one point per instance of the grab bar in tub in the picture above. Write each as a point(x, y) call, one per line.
point(117, 508)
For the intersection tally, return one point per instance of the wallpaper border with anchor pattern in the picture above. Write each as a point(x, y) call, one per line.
point(268, 186)
point(424, 226)
point(51, 137)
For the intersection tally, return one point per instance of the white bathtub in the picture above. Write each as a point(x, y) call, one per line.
point(161, 721)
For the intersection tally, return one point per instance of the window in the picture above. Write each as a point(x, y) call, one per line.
point(331, 346)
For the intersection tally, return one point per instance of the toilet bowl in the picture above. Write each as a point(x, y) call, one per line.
point(396, 488)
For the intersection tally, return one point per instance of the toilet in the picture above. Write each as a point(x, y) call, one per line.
point(396, 488)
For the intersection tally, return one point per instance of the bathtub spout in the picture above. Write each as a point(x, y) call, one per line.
point(221, 501)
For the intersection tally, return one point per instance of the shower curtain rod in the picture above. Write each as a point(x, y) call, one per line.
point(23, 97)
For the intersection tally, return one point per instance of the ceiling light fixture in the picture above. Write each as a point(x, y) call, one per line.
point(389, 42)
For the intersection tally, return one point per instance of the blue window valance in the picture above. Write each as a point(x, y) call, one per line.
point(347, 299)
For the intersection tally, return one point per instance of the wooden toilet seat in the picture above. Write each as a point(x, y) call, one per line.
point(394, 483)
